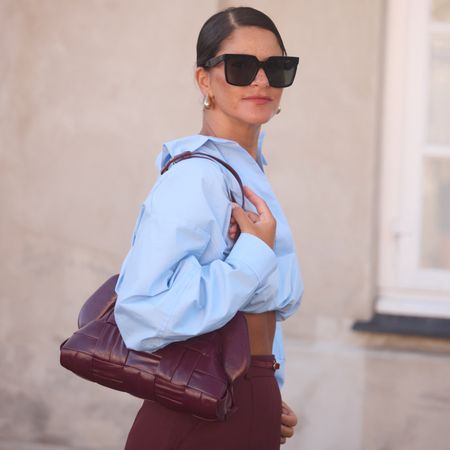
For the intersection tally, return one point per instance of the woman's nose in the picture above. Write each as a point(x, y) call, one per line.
point(261, 78)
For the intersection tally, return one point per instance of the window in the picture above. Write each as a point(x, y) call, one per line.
point(414, 262)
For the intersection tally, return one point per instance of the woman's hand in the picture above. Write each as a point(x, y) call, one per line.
point(262, 225)
point(234, 231)
point(288, 422)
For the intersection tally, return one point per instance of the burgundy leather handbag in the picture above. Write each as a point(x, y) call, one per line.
point(194, 376)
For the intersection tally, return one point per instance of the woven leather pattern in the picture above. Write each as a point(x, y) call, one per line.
point(192, 376)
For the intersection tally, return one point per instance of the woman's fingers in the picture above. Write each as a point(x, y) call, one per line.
point(262, 225)
point(287, 432)
point(288, 421)
point(252, 216)
point(261, 205)
point(239, 215)
point(288, 416)
point(233, 224)
point(233, 229)
point(262, 229)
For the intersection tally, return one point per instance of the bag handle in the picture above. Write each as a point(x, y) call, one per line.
point(189, 154)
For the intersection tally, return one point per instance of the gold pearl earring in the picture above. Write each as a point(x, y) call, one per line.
point(206, 102)
point(278, 110)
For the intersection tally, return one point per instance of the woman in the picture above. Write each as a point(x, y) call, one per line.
point(197, 257)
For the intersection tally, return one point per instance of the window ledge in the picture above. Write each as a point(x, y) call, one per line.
point(405, 325)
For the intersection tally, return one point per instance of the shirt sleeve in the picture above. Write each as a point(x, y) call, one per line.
point(282, 290)
point(172, 284)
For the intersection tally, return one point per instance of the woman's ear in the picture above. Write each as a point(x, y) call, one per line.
point(203, 81)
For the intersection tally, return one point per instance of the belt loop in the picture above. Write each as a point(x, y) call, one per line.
point(266, 362)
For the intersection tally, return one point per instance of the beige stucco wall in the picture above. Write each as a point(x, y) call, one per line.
point(89, 90)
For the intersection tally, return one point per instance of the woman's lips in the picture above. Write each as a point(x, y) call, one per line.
point(259, 100)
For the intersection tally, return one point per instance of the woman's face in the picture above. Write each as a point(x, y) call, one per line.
point(254, 104)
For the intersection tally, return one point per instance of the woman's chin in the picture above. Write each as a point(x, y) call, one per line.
point(258, 118)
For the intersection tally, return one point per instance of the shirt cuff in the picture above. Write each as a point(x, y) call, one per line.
point(255, 253)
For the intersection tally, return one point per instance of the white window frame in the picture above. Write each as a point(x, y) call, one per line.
point(403, 287)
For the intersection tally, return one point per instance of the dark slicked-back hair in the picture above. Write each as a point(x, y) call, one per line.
point(220, 26)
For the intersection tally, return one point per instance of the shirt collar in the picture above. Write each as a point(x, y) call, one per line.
point(196, 141)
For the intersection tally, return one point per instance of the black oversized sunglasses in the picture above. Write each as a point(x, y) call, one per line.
point(241, 70)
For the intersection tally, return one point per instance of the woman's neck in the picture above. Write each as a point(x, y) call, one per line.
point(244, 134)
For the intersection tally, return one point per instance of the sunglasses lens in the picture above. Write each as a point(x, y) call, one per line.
point(281, 71)
point(240, 69)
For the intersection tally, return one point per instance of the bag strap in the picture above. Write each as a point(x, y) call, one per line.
point(189, 154)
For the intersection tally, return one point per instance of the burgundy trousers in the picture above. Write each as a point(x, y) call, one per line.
point(254, 426)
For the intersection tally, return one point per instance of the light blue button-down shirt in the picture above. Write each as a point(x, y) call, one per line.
point(183, 275)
